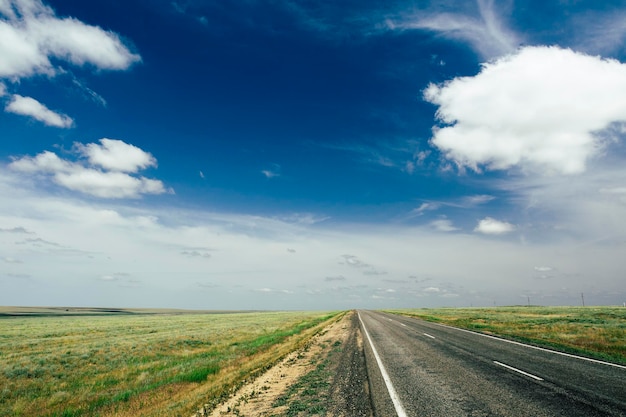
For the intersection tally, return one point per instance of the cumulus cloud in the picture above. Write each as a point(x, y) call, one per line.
point(31, 34)
point(540, 109)
point(487, 32)
point(28, 106)
point(490, 226)
point(101, 176)
point(116, 155)
point(443, 225)
point(34, 41)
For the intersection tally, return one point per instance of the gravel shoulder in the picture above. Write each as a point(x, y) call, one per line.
point(327, 377)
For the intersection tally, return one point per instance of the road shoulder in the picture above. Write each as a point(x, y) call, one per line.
point(326, 377)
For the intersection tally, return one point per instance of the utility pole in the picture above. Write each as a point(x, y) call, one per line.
point(582, 296)
point(528, 296)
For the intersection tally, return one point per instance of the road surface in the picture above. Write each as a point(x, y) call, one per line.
point(424, 369)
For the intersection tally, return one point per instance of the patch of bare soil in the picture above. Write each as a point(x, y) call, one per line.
point(326, 378)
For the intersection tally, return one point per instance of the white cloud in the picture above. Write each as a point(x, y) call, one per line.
point(34, 41)
point(31, 34)
point(89, 179)
point(600, 32)
point(303, 218)
point(10, 260)
point(272, 172)
point(539, 109)
point(116, 155)
point(28, 106)
point(46, 161)
point(474, 200)
point(424, 207)
point(335, 278)
point(543, 268)
point(592, 207)
point(443, 225)
point(248, 252)
point(490, 226)
point(108, 278)
point(486, 33)
point(108, 184)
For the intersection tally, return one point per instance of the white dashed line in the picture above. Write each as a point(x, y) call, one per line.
point(519, 370)
point(427, 335)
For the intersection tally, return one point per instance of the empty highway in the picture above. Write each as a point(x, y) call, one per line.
point(424, 369)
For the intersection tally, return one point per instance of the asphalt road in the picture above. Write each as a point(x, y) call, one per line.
point(433, 370)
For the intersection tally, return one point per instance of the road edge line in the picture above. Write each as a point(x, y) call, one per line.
point(395, 399)
point(530, 346)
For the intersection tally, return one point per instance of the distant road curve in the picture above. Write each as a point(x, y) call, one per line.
point(424, 369)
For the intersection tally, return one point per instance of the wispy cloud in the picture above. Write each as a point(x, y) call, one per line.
point(335, 278)
point(425, 207)
point(401, 154)
point(18, 229)
point(196, 254)
point(599, 32)
point(11, 260)
point(464, 202)
point(487, 32)
point(272, 172)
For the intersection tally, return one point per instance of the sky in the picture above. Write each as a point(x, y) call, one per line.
point(309, 155)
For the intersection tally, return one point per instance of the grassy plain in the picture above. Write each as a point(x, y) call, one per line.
point(598, 332)
point(139, 364)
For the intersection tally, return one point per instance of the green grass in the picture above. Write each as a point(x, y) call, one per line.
point(125, 364)
point(309, 395)
point(598, 332)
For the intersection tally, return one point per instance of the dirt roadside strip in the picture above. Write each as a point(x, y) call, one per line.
point(325, 378)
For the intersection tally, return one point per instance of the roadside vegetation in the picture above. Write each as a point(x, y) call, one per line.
point(597, 332)
point(140, 364)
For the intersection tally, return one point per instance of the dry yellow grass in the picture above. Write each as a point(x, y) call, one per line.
point(593, 331)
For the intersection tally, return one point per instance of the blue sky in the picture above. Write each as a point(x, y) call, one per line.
point(310, 155)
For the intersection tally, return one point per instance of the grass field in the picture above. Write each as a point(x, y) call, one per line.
point(598, 332)
point(138, 364)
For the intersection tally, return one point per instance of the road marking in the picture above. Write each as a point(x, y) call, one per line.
point(402, 324)
point(426, 334)
point(392, 391)
point(518, 370)
point(533, 347)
